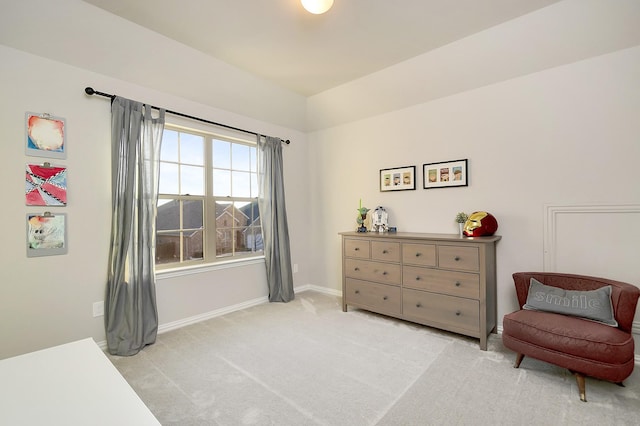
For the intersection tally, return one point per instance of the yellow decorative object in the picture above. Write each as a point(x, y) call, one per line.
point(480, 224)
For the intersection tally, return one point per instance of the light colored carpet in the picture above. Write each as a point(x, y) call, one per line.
point(308, 363)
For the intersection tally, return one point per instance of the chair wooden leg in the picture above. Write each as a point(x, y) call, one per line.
point(581, 386)
point(519, 359)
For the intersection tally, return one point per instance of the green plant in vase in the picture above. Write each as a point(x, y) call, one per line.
point(461, 218)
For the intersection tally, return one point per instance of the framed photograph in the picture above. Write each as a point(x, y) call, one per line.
point(45, 135)
point(45, 185)
point(445, 174)
point(46, 234)
point(398, 179)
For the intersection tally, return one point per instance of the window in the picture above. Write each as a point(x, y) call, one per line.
point(207, 201)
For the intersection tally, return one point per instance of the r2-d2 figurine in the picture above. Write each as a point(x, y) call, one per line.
point(379, 220)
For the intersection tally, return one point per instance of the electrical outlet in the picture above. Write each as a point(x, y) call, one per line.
point(98, 309)
point(295, 268)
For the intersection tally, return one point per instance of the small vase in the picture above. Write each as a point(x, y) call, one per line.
point(460, 229)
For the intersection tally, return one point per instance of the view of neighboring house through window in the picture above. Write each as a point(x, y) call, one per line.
point(207, 202)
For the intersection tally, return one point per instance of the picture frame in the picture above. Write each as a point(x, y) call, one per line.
point(398, 179)
point(45, 185)
point(446, 174)
point(45, 135)
point(46, 234)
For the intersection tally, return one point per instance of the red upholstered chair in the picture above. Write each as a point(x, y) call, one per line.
point(585, 347)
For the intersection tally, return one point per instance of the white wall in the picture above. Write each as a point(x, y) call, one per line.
point(561, 133)
point(48, 300)
point(87, 37)
point(559, 34)
point(564, 136)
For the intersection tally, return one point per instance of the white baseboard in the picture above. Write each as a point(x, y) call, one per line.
point(174, 325)
point(319, 289)
point(300, 289)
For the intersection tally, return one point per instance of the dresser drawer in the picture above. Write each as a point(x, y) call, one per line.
point(456, 257)
point(463, 284)
point(381, 298)
point(419, 254)
point(357, 248)
point(448, 312)
point(389, 252)
point(388, 273)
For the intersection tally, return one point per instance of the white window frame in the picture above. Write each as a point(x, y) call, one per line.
point(210, 259)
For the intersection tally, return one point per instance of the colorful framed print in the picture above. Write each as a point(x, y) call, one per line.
point(398, 179)
point(445, 174)
point(45, 185)
point(45, 135)
point(46, 234)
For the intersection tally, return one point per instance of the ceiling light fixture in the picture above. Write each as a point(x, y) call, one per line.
point(317, 7)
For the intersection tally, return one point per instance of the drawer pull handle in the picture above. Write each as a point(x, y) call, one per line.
point(384, 252)
point(457, 283)
point(385, 298)
point(356, 269)
point(418, 305)
point(384, 273)
point(357, 249)
point(357, 291)
point(457, 258)
point(418, 278)
point(418, 254)
point(458, 313)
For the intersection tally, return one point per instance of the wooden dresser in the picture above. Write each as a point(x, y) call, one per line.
point(440, 280)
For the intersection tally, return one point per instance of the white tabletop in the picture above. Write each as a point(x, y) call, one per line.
point(71, 384)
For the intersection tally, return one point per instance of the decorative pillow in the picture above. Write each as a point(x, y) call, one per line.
point(593, 305)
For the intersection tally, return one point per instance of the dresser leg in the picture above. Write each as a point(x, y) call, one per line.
point(483, 343)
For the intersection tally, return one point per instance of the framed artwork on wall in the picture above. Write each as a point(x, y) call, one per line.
point(398, 179)
point(45, 135)
point(45, 185)
point(445, 174)
point(46, 234)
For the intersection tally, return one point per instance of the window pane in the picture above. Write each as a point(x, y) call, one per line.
point(224, 214)
point(168, 178)
point(221, 154)
point(169, 148)
point(250, 210)
point(168, 248)
point(243, 240)
point(192, 182)
point(254, 159)
point(255, 240)
point(254, 185)
point(241, 157)
point(191, 149)
point(241, 184)
point(193, 245)
point(168, 215)
point(192, 212)
point(221, 183)
point(224, 228)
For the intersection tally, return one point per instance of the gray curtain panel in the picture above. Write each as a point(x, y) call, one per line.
point(131, 317)
point(273, 216)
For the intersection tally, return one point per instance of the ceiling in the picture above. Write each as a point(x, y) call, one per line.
point(308, 54)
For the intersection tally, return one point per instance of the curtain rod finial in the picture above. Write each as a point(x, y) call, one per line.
point(89, 91)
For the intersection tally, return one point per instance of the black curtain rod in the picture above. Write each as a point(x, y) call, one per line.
point(90, 91)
